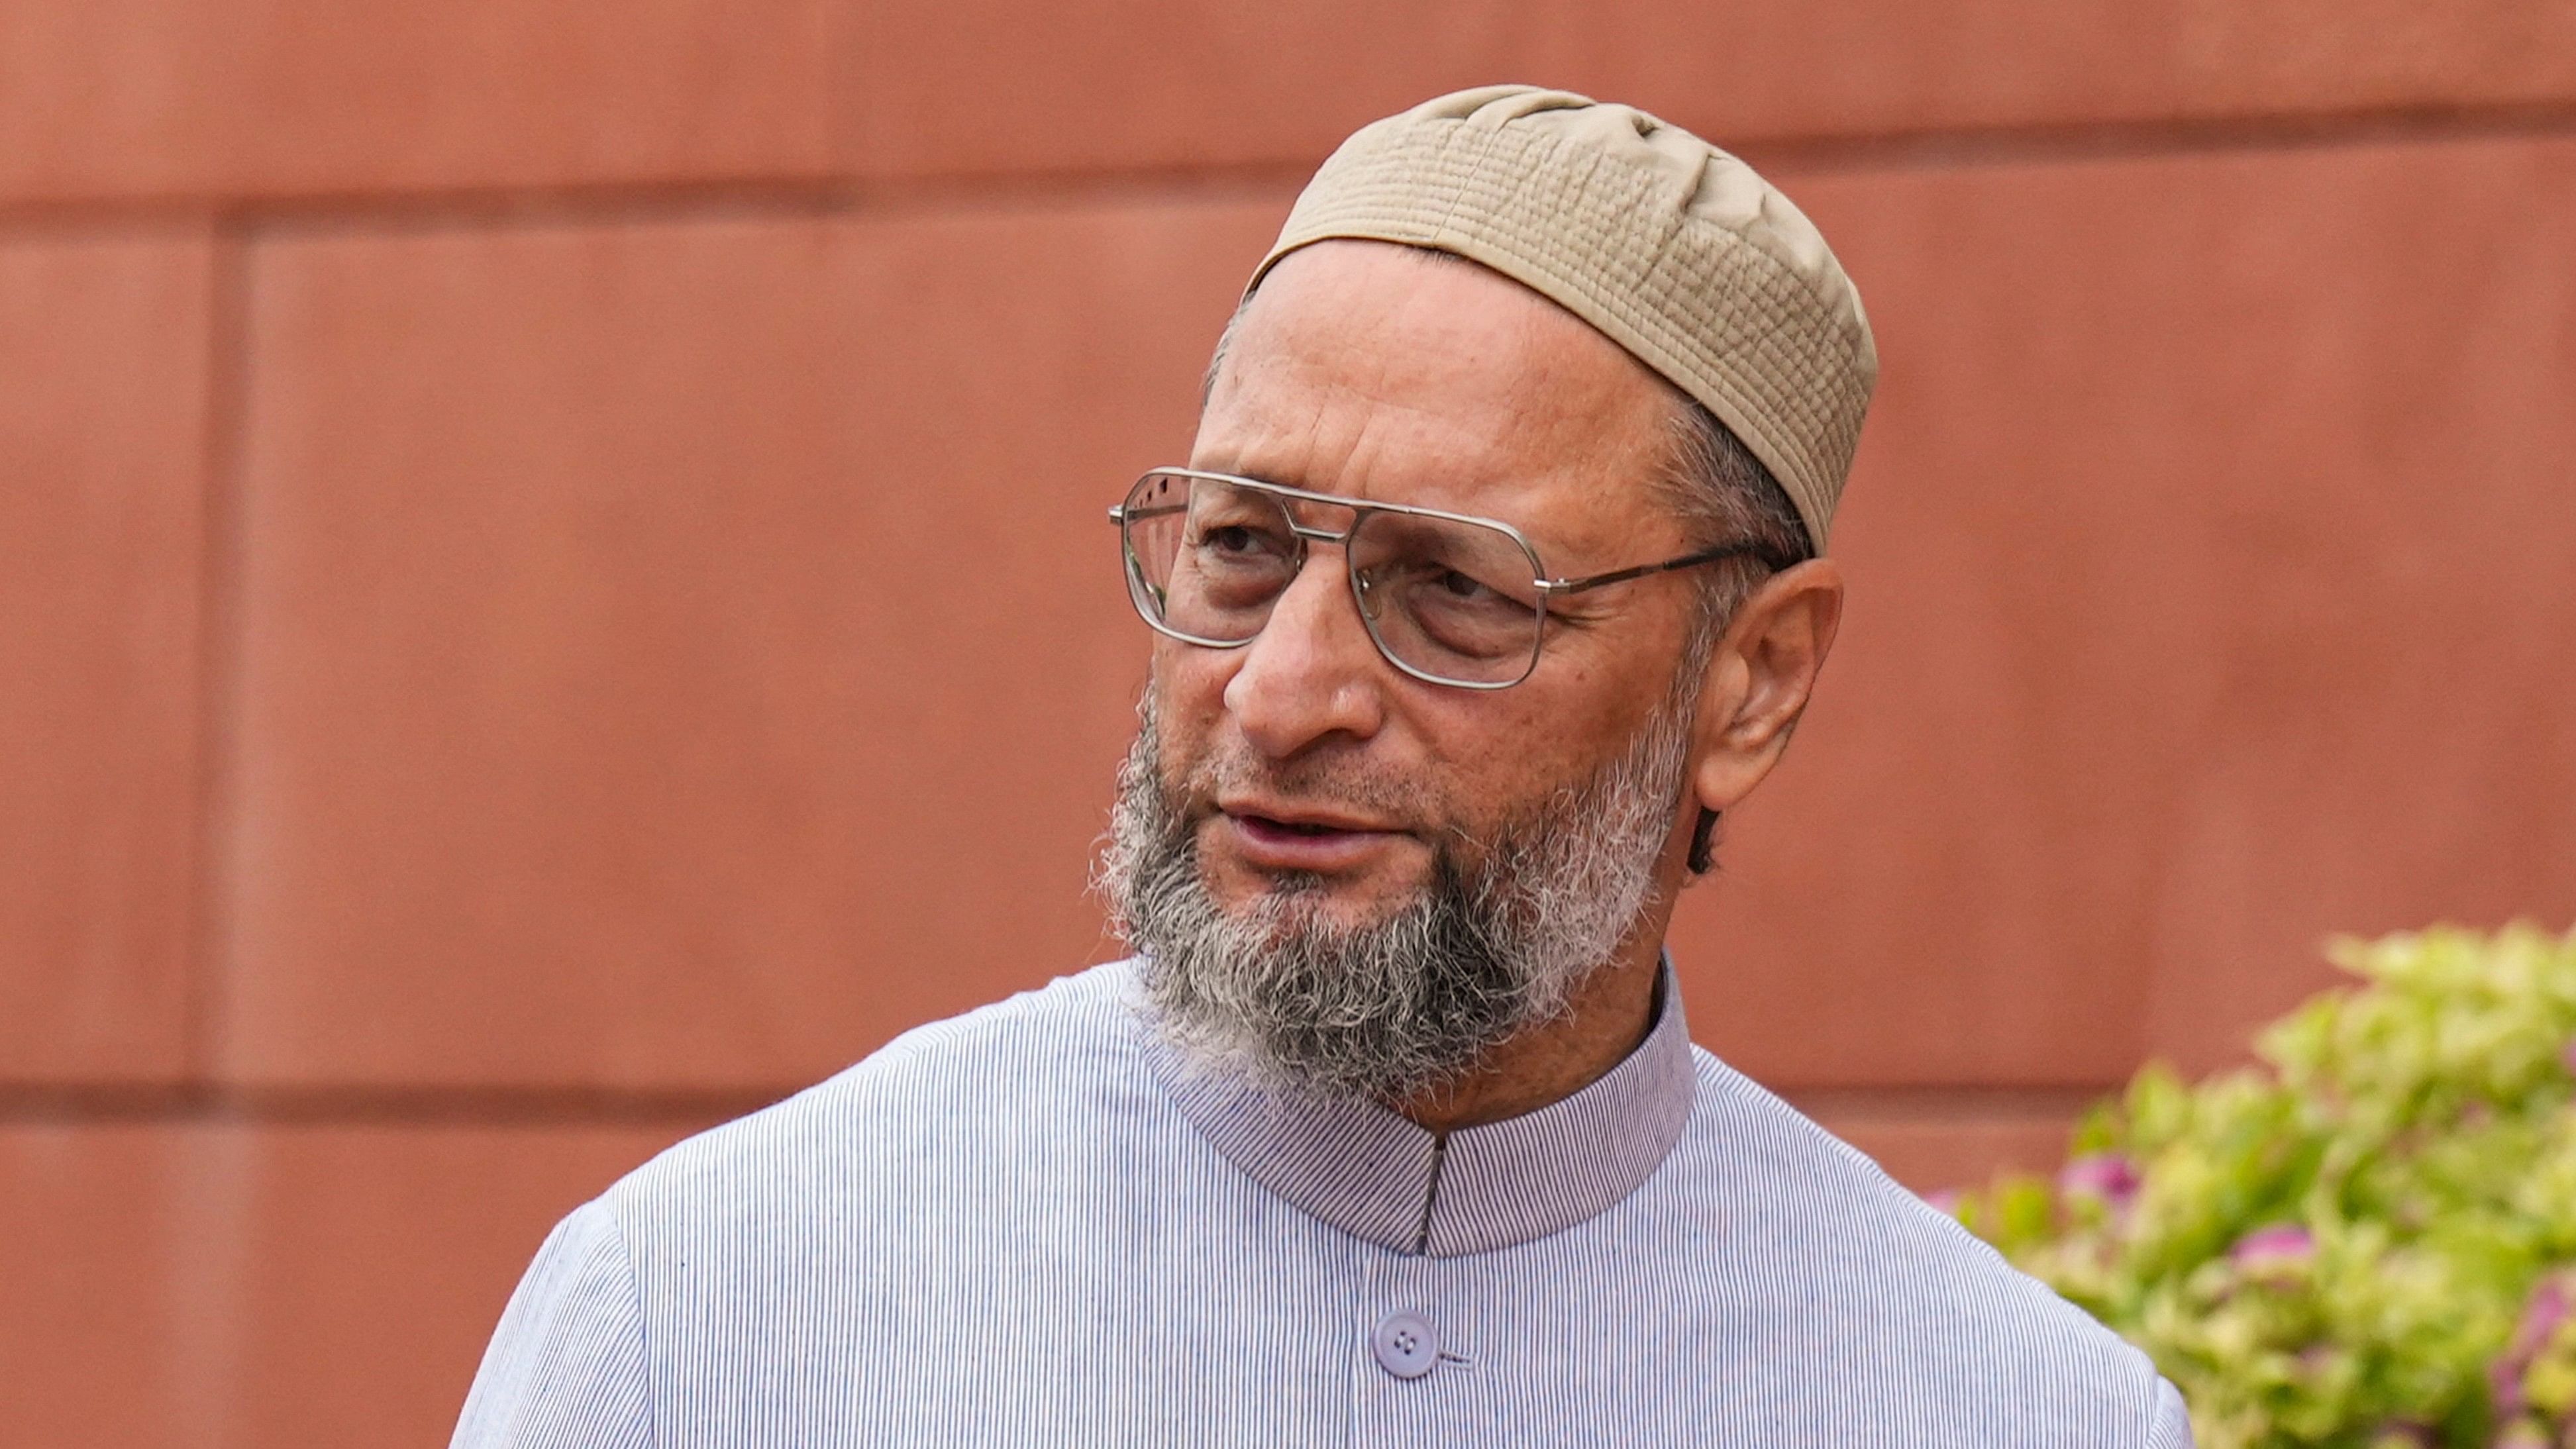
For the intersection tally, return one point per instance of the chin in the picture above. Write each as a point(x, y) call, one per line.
point(1306, 899)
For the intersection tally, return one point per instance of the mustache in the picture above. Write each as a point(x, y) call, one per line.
point(1491, 942)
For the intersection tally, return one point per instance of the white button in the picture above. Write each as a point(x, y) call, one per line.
point(1406, 1345)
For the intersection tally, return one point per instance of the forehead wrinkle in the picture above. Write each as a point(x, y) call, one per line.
point(1456, 387)
point(1366, 448)
point(1331, 411)
point(1460, 309)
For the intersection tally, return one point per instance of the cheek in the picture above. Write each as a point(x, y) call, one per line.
point(1494, 759)
point(1502, 764)
point(1179, 674)
point(1187, 687)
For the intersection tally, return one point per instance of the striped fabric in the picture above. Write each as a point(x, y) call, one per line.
point(1024, 1226)
point(1379, 1177)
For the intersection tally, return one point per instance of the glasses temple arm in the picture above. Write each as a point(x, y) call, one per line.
point(1554, 587)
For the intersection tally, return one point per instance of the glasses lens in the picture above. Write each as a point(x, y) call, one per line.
point(1456, 601)
point(1207, 559)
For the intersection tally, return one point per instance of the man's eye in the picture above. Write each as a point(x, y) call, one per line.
point(1233, 538)
point(1457, 585)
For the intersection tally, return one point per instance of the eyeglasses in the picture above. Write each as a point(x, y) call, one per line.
point(1448, 598)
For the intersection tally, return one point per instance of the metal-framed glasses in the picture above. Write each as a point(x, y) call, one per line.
point(1447, 597)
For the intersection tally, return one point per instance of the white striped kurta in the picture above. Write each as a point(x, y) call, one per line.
point(1030, 1226)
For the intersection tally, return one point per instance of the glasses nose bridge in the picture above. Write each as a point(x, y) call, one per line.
point(1307, 533)
point(1301, 511)
point(1296, 511)
point(1176, 542)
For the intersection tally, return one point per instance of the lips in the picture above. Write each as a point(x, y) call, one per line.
point(1273, 837)
point(1269, 828)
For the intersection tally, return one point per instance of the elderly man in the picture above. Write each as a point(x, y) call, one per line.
point(1495, 576)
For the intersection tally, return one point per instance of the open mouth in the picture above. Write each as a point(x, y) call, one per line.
point(1302, 844)
point(1292, 827)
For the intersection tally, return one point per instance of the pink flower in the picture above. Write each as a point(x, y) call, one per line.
point(1944, 1201)
point(2109, 1176)
point(2550, 1302)
point(2264, 1250)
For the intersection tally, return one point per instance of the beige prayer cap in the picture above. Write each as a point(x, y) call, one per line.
point(1672, 248)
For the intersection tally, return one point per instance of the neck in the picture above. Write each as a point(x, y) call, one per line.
point(1604, 1020)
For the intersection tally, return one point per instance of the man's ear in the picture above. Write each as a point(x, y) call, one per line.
point(1760, 677)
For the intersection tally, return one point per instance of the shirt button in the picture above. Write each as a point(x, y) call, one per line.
point(1406, 1345)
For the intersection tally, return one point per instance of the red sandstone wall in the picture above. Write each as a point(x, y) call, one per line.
point(492, 678)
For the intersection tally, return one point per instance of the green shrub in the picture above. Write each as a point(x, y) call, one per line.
point(2369, 1240)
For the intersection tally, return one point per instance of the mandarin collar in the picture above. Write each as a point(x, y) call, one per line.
point(1381, 1177)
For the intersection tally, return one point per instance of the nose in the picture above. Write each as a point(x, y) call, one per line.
point(1312, 672)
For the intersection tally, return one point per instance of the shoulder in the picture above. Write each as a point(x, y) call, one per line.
point(948, 1157)
point(1792, 1186)
point(1909, 1297)
point(1016, 1071)
point(567, 1363)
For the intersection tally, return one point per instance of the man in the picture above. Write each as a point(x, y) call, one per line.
point(1495, 576)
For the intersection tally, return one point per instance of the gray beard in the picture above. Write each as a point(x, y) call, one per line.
point(1495, 943)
